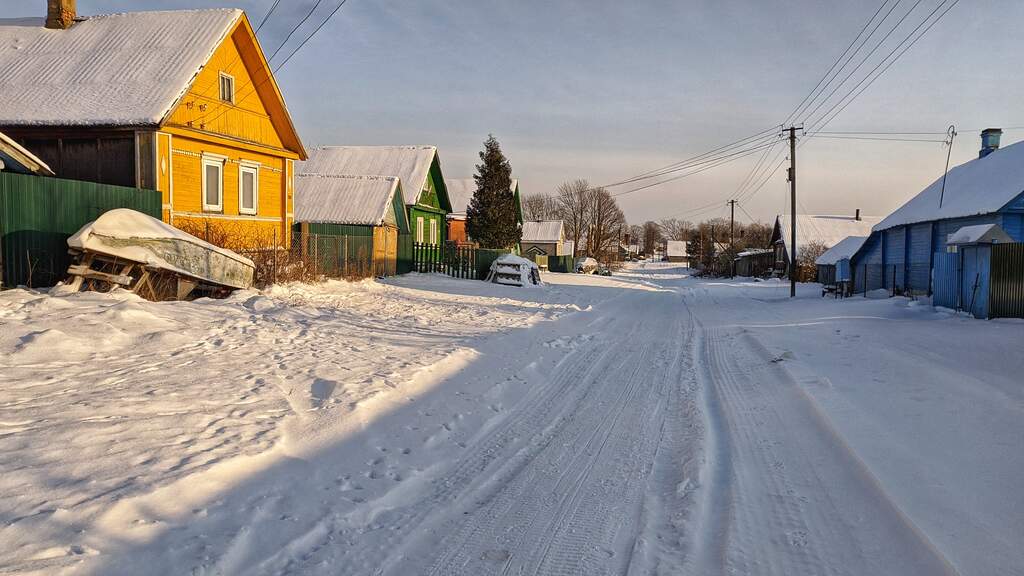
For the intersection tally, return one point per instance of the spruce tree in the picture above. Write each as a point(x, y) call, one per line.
point(491, 215)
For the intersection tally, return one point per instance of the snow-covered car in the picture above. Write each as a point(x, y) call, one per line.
point(585, 265)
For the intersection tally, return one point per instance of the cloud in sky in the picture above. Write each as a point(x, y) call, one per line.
point(604, 90)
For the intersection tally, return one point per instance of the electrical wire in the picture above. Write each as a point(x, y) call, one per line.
point(797, 111)
point(713, 163)
point(256, 86)
point(267, 15)
point(294, 29)
point(817, 125)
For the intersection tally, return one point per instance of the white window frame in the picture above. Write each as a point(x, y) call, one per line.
point(218, 161)
point(419, 229)
point(253, 168)
point(433, 230)
point(220, 87)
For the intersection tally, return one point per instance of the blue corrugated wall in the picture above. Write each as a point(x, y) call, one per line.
point(895, 256)
point(919, 257)
point(946, 280)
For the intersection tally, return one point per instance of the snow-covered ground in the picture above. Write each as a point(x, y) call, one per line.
point(645, 423)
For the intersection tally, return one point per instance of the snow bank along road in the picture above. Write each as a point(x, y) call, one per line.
point(646, 423)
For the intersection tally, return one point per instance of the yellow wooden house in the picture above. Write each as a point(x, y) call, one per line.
point(180, 101)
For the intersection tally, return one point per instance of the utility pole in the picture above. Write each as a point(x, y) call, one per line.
point(792, 220)
point(732, 237)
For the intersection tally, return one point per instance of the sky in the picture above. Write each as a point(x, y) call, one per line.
point(605, 90)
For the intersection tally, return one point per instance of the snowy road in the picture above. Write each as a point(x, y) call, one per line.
point(648, 423)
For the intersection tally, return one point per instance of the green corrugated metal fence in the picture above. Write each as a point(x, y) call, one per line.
point(1006, 287)
point(38, 214)
point(560, 264)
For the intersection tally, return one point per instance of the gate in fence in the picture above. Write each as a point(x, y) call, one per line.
point(456, 261)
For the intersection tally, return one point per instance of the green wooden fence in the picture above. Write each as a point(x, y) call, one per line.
point(37, 215)
point(455, 261)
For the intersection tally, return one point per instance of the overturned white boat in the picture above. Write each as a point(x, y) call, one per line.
point(140, 253)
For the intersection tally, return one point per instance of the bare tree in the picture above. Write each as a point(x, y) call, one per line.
point(605, 225)
point(652, 237)
point(574, 199)
point(540, 206)
point(675, 229)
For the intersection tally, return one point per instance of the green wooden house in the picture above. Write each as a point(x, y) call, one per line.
point(351, 221)
point(418, 168)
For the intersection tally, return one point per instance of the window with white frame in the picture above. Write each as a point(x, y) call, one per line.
point(433, 231)
point(213, 183)
point(419, 229)
point(248, 188)
point(227, 88)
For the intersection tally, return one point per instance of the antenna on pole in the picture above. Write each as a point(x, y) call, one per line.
point(950, 133)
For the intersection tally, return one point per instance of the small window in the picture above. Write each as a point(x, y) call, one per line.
point(227, 88)
point(419, 229)
point(248, 188)
point(213, 184)
point(433, 231)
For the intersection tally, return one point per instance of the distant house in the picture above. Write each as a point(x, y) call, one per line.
point(15, 158)
point(460, 191)
point(181, 101)
point(543, 238)
point(424, 192)
point(834, 270)
point(755, 262)
point(826, 231)
point(675, 251)
point(568, 248)
point(900, 253)
point(357, 216)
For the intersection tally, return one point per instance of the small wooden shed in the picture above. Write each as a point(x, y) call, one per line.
point(367, 211)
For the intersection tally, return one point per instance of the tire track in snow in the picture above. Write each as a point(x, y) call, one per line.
point(569, 500)
point(793, 499)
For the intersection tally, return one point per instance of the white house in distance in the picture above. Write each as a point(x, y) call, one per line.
point(675, 251)
point(818, 229)
point(543, 238)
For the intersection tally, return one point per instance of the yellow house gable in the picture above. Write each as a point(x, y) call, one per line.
point(225, 152)
point(235, 97)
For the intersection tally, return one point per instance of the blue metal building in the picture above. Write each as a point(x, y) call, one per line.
point(901, 251)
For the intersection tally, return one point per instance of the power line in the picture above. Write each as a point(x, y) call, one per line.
point(713, 163)
point(866, 58)
point(294, 29)
point(753, 138)
point(796, 111)
point(267, 15)
point(818, 125)
point(818, 135)
point(310, 37)
point(255, 86)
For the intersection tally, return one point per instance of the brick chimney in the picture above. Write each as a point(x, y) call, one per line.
point(989, 141)
point(60, 14)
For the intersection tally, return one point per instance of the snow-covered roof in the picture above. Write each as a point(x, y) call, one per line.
point(845, 249)
point(542, 231)
point(675, 248)
point(981, 186)
point(116, 69)
point(410, 164)
point(15, 158)
point(344, 198)
point(460, 192)
point(825, 230)
point(980, 234)
point(754, 252)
